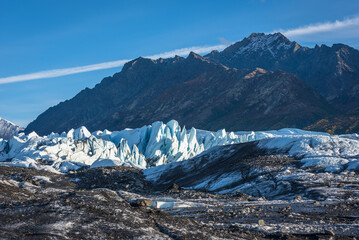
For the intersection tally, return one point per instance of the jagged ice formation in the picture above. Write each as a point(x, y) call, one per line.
point(144, 147)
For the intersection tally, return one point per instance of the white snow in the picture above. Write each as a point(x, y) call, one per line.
point(173, 203)
point(65, 152)
point(27, 163)
point(79, 133)
point(161, 143)
point(8, 129)
point(164, 143)
point(264, 43)
point(330, 152)
point(106, 163)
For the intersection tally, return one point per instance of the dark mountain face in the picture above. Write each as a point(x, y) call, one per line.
point(194, 91)
point(339, 124)
point(331, 71)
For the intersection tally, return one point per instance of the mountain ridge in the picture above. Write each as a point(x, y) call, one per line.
point(331, 71)
point(209, 92)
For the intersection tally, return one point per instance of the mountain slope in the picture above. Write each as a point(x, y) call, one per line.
point(332, 71)
point(193, 90)
point(7, 129)
point(341, 124)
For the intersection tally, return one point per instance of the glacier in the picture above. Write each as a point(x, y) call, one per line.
point(280, 167)
point(162, 143)
point(7, 129)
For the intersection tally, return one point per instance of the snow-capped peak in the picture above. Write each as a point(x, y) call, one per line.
point(265, 42)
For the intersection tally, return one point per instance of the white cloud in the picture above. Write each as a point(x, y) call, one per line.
point(186, 51)
point(321, 27)
point(225, 41)
point(68, 71)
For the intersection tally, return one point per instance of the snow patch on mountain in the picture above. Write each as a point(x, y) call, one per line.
point(262, 43)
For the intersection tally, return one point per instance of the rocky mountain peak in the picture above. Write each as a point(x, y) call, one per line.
point(331, 70)
point(264, 42)
point(259, 50)
point(138, 62)
point(269, 36)
point(193, 55)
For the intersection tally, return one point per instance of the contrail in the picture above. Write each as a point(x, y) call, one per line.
point(68, 71)
point(306, 30)
point(321, 27)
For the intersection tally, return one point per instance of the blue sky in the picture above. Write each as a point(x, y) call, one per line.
point(45, 35)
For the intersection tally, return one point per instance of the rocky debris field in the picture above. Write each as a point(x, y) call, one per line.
point(41, 205)
point(119, 203)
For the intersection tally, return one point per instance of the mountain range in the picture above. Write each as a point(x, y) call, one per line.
point(332, 71)
point(167, 182)
point(263, 82)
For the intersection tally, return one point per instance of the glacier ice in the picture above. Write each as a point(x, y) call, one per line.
point(79, 133)
point(8, 129)
point(298, 160)
point(306, 146)
point(66, 153)
point(106, 163)
point(162, 143)
point(334, 153)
